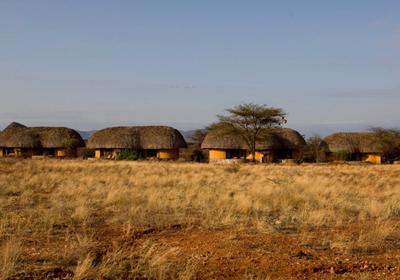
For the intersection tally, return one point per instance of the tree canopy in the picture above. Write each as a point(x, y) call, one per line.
point(250, 121)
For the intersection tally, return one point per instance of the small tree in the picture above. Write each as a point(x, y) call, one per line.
point(313, 148)
point(197, 155)
point(199, 135)
point(71, 147)
point(251, 122)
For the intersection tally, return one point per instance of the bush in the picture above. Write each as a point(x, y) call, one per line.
point(85, 153)
point(70, 147)
point(346, 156)
point(309, 157)
point(312, 150)
point(197, 155)
point(128, 155)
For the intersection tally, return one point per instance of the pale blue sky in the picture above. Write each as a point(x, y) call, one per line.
point(88, 64)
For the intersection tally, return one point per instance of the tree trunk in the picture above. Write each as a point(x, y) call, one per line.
point(253, 150)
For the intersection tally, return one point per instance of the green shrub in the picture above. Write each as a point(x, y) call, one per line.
point(128, 155)
point(346, 156)
point(313, 149)
point(85, 153)
point(70, 147)
point(197, 155)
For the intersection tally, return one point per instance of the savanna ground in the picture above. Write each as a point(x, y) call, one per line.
point(152, 220)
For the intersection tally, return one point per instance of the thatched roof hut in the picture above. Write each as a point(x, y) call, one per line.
point(137, 137)
point(40, 137)
point(274, 139)
point(216, 140)
point(351, 142)
point(115, 138)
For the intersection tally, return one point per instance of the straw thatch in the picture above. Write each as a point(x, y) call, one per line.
point(273, 139)
point(137, 137)
point(290, 138)
point(40, 137)
point(161, 137)
point(22, 139)
point(351, 142)
point(216, 140)
point(59, 137)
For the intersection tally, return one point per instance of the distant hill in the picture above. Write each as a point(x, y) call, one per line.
point(187, 134)
point(86, 134)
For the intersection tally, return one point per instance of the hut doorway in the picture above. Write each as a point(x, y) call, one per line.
point(150, 153)
point(235, 154)
point(38, 152)
point(284, 154)
point(9, 152)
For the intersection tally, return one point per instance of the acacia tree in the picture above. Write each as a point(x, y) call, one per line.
point(251, 122)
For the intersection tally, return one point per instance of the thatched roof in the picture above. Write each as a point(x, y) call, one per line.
point(274, 139)
point(161, 137)
point(20, 138)
point(216, 140)
point(40, 137)
point(290, 138)
point(60, 137)
point(351, 142)
point(137, 137)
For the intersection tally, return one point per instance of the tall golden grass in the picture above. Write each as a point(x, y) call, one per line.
point(81, 215)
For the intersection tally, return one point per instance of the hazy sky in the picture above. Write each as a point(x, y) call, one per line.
point(89, 64)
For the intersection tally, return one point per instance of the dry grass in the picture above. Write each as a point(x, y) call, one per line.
point(89, 219)
point(10, 250)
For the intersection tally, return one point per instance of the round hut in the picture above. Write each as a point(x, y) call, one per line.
point(221, 146)
point(59, 141)
point(292, 144)
point(19, 140)
point(160, 142)
point(352, 146)
point(276, 144)
point(9, 132)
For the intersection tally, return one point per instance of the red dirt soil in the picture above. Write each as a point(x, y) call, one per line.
point(229, 254)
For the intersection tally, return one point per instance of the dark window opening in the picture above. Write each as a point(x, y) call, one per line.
point(150, 153)
point(230, 154)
